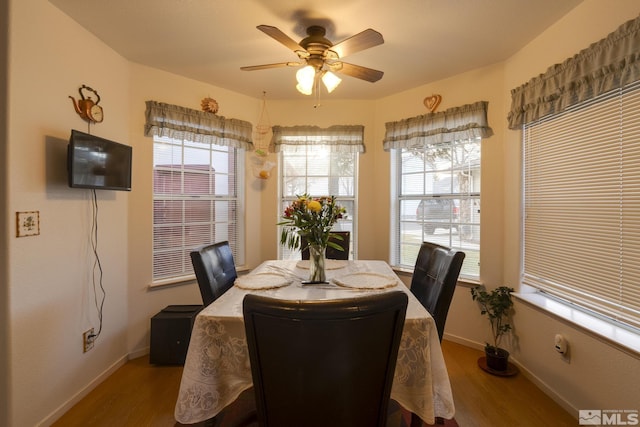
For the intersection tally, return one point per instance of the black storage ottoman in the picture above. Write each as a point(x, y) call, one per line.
point(170, 334)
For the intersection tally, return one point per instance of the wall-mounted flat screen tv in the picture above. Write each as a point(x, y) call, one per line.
point(98, 163)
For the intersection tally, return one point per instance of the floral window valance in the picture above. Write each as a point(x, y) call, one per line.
point(339, 138)
point(458, 123)
point(608, 64)
point(166, 120)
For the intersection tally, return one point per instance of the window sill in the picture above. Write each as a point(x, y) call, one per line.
point(462, 281)
point(186, 280)
point(607, 331)
point(175, 281)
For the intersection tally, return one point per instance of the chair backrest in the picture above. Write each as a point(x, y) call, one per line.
point(331, 253)
point(215, 270)
point(324, 363)
point(434, 280)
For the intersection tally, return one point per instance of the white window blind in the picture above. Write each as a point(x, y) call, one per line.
point(319, 170)
point(197, 200)
point(582, 204)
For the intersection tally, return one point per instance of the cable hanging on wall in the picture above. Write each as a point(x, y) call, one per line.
point(261, 165)
point(97, 266)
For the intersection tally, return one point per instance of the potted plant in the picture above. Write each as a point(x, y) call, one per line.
point(497, 306)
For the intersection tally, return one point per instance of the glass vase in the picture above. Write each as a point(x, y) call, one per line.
point(316, 264)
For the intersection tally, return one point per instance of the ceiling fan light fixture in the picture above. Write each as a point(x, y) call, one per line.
point(331, 81)
point(306, 77)
point(321, 56)
point(304, 90)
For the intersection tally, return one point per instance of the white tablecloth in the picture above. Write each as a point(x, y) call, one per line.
point(217, 366)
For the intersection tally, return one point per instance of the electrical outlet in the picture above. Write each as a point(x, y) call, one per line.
point(87, 340)
point(560, 344)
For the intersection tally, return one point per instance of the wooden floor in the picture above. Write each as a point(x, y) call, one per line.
point(139, 394)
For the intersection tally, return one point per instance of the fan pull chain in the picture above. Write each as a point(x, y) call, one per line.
point(317, 89)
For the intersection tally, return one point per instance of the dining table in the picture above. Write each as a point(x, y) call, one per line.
point(217, 368)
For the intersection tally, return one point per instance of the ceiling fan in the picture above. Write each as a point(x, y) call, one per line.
point(320, 57)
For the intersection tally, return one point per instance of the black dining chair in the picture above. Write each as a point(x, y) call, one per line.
point(323, 363)
point(215, 270)
point(433, 283)
point(434, 280)
point(331, 253)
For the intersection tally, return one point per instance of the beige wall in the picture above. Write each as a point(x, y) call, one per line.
point(597, 374)
point(4, 232)
point(48, 287)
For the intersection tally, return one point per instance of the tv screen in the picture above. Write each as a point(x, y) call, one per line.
point(98, 163)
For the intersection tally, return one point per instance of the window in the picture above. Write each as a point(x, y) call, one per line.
point(437, 200)
point(435, 176)
point(320, 162)
point(319, 171)
point(582, 204)
point(198, 185)
point(197, 200)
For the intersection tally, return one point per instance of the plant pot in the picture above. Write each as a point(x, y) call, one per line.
point(497, 358)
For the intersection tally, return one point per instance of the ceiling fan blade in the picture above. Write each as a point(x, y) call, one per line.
point(278, 35)
point(361, 41)
point(357, 71)
point(267, 66)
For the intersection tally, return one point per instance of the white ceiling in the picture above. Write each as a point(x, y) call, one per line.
point(209, 40)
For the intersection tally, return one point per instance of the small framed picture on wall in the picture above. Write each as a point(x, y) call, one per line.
point(27, 223)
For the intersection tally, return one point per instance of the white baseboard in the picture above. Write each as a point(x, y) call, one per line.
point(139, 353)
point(546, 389)
point(463, 341)
point(62, 409)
